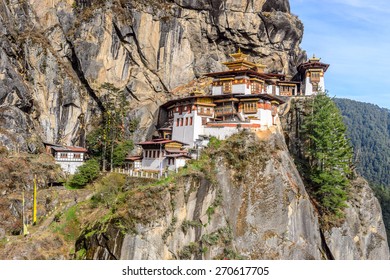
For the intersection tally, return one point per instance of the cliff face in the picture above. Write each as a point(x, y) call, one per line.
point(249, 203)
point(56, 55)
point(246, 200)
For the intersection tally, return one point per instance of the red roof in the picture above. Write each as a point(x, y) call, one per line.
point(77, 149)
point(69, 149)
point(160, 141)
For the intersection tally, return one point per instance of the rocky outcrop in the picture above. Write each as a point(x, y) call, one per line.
point(56, 55)
point(362, 235)
point(250, 203)
point(254, 209)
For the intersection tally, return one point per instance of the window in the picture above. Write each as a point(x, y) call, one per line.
point(191, 121)
point(177, 122)
point(315, 76)
point(64, 155)
point(154, 154)
point(77, 155)
point(181, 122)
point(255, 87)
point(227, 87)
point(250, 107)
point(186, 121)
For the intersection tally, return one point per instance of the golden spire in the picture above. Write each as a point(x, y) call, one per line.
point(314, 58)
point(239, 56)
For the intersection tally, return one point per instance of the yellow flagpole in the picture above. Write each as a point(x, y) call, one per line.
point(35, 201)
point(25, 230)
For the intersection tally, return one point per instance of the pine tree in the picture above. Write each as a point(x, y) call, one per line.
point(329, 154)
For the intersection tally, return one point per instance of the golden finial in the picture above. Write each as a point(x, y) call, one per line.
point(314, 58)
point(239, 55)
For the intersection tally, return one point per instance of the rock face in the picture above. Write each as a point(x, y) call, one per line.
point(260, 211)
point(255, 206)
point(56, 55)
point(362, 235)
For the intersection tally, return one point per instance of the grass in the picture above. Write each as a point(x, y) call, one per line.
point(69, 224)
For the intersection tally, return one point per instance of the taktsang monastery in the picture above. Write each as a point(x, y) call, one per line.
point(242, 97)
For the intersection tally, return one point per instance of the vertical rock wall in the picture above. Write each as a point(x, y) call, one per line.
point(56, 55)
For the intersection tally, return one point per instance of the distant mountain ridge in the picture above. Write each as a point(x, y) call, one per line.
point(369, 130)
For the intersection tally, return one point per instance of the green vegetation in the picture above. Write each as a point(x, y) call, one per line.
point(110, 141)
point(108, 191)
point(190, 224)
point(383, 195)
point(329, 155)
point(68, 224)
point(189, 250)
point(369, 129)
point(217, 202)
point(85, 174)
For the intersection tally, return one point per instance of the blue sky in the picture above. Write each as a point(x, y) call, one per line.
point(353, 36)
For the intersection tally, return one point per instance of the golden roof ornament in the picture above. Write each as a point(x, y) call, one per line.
point(314, 59)
point(239, 62)
point(196, 92)
point(238, 56)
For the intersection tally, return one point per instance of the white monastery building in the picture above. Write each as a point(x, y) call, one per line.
point(68, 157)
point(242, 97)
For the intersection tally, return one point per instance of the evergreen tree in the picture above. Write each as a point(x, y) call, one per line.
point(329, 154)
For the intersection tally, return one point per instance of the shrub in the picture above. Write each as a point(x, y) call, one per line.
point(85, 174)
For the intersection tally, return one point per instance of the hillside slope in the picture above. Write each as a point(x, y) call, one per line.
point(369, 130)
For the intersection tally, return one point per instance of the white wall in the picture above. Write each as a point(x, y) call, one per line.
point(179, 162)
point(220, 132)
point(241, 89)
point(265, 117)
point(187, 134)
point(321, 85)
point(184, 133)
point(150, 163)
point(309, 87)
point(70, 166)
point(217, 90)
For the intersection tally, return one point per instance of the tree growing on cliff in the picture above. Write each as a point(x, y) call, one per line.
point(108, 141)
point(329, 154)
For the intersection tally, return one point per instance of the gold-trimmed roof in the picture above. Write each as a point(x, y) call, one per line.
point(240, 61)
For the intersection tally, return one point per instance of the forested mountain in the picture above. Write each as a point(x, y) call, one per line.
point(369, 130)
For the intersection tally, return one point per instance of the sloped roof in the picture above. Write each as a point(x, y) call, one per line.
point(69, 149)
